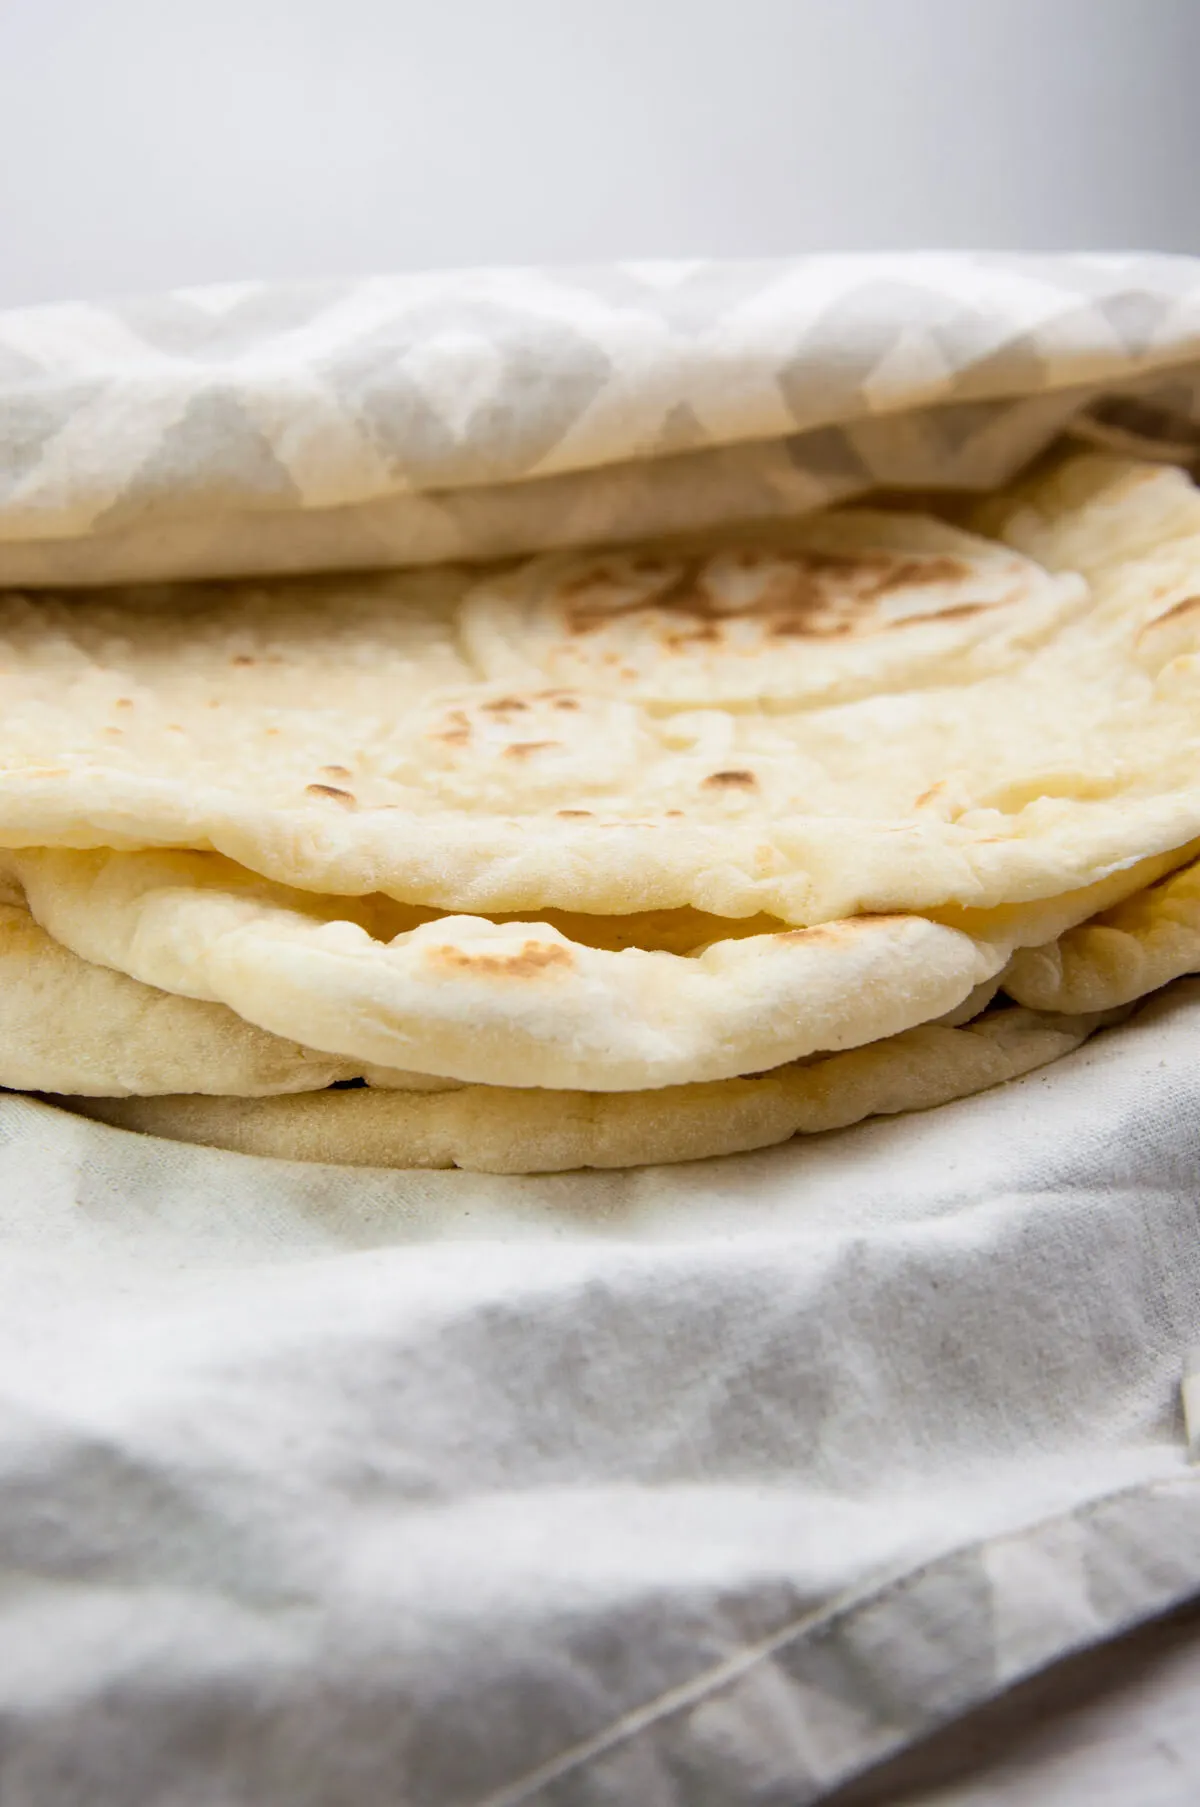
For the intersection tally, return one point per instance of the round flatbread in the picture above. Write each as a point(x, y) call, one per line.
point(497, 1130)
point(594, 1003)
point(863, 712)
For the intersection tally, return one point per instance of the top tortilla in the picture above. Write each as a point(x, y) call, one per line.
point(859, 712)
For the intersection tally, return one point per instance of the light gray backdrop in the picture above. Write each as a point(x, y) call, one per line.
point(146, 143)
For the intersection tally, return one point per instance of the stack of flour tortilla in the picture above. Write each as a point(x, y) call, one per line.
point(604, 858)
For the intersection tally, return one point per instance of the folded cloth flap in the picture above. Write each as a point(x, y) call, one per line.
point(252, 427)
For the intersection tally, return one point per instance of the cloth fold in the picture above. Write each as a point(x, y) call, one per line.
point(252, 427)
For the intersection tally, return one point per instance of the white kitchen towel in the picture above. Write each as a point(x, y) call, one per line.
point(706, 1484)
point(259, 427)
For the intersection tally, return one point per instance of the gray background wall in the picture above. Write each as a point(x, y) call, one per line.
point(145, 143)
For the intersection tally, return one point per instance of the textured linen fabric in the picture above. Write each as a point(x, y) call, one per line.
point(1111, 1726)
point(716, 1483)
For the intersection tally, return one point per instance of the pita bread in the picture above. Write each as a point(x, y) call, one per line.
point(66, 1026)
point(493, 1129)
point(855, 713)
point(1095, 514)
point(1118, 955)
point(69, 1026)
point(528, 1003)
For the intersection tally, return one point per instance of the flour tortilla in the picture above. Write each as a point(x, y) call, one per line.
point(528, 1003)
point(1120, 954)
point(857, 713)
point(1095, 514)
point(67, 1026)
point(495, 1130)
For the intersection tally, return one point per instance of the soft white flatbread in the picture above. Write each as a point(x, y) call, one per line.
point(496, 1130)
point(858, 712)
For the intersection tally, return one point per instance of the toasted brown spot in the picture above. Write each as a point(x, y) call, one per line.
point(459, 731)
point(706, 635)
point(519, 749)
point(504, 705)
point(530, 958)
point(345, 798)
point(114, 733)
point(941, 568)
point(732, 781)
point(808, 594)
point(805, 626)
point(934, 791)
point(674, 812)
point(241, 659)
point(123, 702)
point(566, 702)
point(961, 611)
point(1186, 607)
point(603, 574)
point(845, 928)
point(271, 730)
point(574, 812)
point(336, 771)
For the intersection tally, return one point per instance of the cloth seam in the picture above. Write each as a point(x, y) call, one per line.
point(816, 1625)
